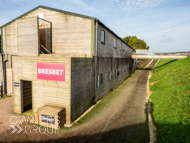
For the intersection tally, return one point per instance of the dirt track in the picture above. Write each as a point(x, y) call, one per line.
point(124, 120)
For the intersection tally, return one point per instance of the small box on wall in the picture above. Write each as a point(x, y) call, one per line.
point(52, 116)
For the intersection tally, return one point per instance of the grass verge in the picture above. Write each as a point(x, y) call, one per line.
point(143, 63)
point(6, 97)
point(103, 104)
point(171, 100)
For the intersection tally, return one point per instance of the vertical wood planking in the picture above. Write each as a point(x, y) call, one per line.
point(82, 85)
point(28, 37)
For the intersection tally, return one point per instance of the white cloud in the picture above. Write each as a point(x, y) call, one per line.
point(166, 32)
point(136, 5)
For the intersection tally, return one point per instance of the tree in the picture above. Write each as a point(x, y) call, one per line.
point(136, 43)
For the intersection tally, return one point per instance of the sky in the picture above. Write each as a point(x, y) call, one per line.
point(163, 24)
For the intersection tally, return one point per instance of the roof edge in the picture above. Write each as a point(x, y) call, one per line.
point(102, 24)
point(67, 12)
point(49, 8)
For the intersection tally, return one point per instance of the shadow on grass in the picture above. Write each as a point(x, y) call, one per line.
point(165, 64)
point(170, 132)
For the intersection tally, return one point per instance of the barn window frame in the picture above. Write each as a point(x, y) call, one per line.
point(117, 72)
point(103, 36)
point(99, 80)
point(109, 76)
point(115, 43)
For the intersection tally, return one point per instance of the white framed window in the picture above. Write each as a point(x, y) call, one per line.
point(123, 47)
point(99, 80)
point(109, 75)
point(102, 36)
point(120, 46)
point(114, 43)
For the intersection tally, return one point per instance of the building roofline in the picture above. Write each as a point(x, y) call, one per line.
point(49, 8)
point(70, 13)
point(103, 25)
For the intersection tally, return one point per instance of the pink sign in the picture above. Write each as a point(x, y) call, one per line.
point(51, 71)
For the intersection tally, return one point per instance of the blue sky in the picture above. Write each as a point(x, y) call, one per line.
point(163, 24)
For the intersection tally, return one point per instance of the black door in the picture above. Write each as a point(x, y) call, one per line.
point(26, 92)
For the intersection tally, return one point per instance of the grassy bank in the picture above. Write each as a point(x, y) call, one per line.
point(171, 100)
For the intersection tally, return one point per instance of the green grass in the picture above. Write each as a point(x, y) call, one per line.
point(143, 63)
point(171, 100)
point(103, 104)
point(5, 97)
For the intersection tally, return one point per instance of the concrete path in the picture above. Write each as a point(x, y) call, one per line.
point(124, 120)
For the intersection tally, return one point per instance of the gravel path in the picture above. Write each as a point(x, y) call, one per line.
point(7, 115)
point(124, 120)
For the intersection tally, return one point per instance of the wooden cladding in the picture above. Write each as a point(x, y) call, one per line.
point(27, 37)
point(82, 86)
point(110, 64)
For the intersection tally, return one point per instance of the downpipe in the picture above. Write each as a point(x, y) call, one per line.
point(94, 100)
point(4, 74)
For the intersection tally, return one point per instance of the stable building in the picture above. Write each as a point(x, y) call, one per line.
point(61, 60)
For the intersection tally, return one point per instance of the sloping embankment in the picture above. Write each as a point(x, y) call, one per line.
point(171, 100)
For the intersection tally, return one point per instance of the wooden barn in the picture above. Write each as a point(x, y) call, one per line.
point(54, 58)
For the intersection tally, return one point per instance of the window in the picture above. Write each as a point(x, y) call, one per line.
point(102, 36)
point(109, 75)
point(99, 80)
point(123, 47)
point(120, 46)
point(126, 48)
point(118, 73)
point(115, 43)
